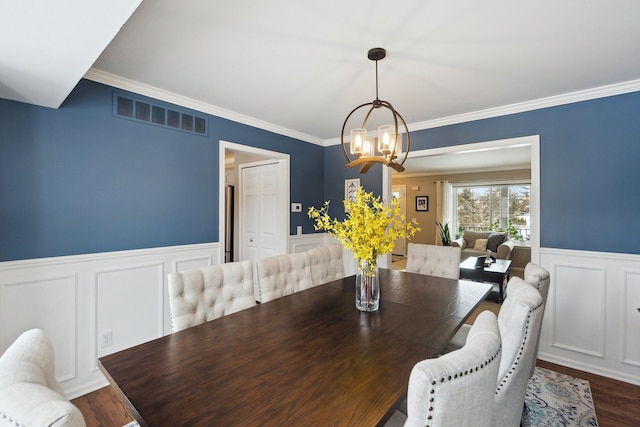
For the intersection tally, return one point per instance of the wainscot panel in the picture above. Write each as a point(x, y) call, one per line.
point(592, 318)
point(87, 304)
point(93, 305)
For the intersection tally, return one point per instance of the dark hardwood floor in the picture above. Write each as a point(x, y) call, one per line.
point(617, 403)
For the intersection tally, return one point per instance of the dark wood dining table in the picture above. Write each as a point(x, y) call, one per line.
point(307, 359)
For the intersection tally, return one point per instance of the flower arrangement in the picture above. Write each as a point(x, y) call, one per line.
point(370, 228)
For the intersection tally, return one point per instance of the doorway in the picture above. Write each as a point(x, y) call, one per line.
point(231, 156)
point(533, 142)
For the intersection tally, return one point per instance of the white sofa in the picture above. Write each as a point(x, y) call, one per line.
point(30, 394)
point(468, 241)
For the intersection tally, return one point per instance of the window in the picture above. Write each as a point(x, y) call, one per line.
point(501, 207)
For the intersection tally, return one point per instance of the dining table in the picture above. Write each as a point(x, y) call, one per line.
point(308, 359)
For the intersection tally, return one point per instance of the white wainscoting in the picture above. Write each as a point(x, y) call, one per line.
point(97, 304)
point(80, 301)
point(592, 321)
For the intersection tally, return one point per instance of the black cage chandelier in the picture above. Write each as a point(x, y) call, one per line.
point(362, 148)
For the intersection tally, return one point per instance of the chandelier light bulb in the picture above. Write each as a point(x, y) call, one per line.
point(367, 148)
point(358, 140)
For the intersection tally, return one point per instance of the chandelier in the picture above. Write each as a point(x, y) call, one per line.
point(362, 146)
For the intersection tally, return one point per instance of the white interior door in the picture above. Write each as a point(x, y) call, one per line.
point(400, 192)
point(264, 217)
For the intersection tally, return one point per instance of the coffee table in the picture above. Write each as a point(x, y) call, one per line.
point(495, 274)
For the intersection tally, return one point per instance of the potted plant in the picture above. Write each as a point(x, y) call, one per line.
point(445, 237)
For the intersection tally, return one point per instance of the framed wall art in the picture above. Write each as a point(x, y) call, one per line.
point(350, 189)
point(422, 203)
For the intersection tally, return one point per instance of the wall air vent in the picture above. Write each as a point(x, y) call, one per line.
point(141, 111)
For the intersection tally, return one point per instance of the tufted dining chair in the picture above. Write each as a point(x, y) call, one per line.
point(456, 389)
point(539, 278)
point(207, 293)
point(282, 275)
point(432, 260)
point(519, 320)
point(326, 264)
point(30, 394)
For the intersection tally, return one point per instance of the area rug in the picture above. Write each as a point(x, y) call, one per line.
point(554, 399)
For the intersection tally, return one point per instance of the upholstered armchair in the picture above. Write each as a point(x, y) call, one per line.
point(432, 260)
point(476, 243)
point(30, 394)
point(207, 293)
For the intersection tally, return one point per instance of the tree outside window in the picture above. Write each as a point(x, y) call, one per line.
point(493, 207)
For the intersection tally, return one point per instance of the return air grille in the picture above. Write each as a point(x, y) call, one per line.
point(142, 111)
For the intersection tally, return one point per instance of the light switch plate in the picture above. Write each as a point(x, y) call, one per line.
point(296, 207)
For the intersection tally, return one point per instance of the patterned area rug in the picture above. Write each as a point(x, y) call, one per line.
point(555, 399)
point(552, 400)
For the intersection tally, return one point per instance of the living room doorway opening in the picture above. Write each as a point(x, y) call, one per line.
point(477, 150)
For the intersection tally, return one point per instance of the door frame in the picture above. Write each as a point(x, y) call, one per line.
point(534, 204)
point(223, 147)
point(403, 211)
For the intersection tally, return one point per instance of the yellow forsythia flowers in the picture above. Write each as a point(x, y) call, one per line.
point(370, 229)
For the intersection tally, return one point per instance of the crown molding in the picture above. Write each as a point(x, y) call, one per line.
point(113, 80)
point(104, 77)
point(536, 104)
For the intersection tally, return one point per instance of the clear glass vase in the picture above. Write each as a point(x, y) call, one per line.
point(367, 286)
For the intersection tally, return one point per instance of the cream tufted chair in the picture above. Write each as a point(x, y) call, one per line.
point(326, 264)
point(520, 319)
point(30, 395)
point(197, 296)
point(539, 278)
point(456, 389)
point(432, 260)
point(283, 275)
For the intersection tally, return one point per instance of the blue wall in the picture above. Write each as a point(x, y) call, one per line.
point(78, 180)
point(589, 167)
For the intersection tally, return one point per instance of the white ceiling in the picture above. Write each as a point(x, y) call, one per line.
point(302, 66)
point(510, 157)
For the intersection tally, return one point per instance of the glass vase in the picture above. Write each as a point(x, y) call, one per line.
point(367, 286)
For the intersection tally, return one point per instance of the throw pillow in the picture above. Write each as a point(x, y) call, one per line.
point(494, 240)
point(480, 245)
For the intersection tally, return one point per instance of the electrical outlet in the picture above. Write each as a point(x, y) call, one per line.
point(107, 339)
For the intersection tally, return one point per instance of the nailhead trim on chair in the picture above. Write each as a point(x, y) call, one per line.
point(524, 341)
point(4, 416)
point(461, 374)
